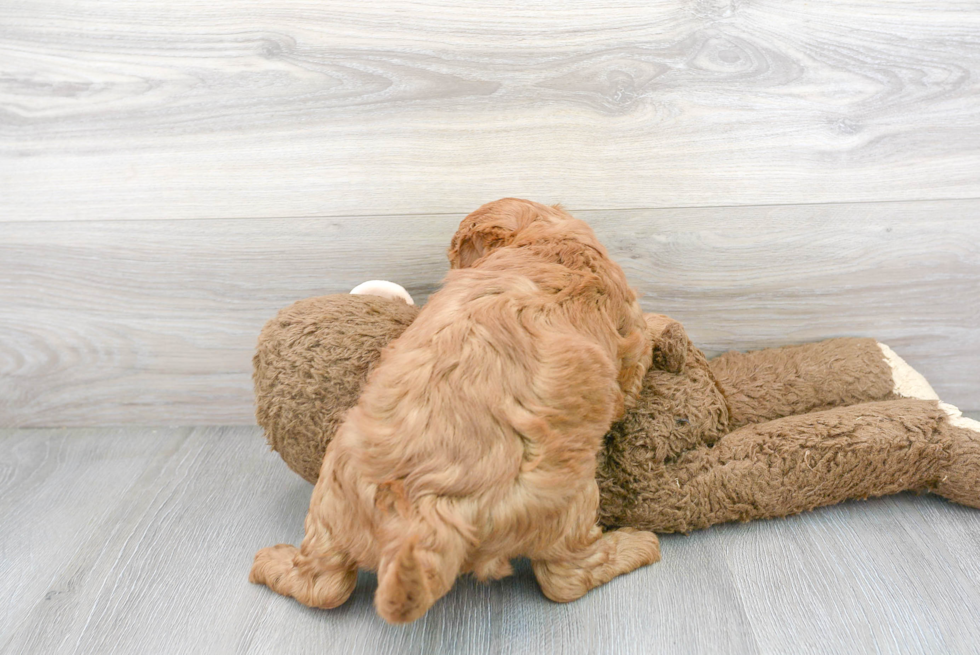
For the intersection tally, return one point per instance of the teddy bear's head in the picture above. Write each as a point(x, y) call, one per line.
point(681, 405)
point(310, 364)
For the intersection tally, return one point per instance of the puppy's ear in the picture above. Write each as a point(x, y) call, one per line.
point(670, 342)
point(491, 226)
point(467, 246)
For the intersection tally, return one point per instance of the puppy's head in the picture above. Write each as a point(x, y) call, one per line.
point(497, 224)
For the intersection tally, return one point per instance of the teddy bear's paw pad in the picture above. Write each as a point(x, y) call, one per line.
point(384, 289)
point(909, 383)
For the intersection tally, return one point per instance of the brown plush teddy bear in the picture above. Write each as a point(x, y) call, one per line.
point(742, 436)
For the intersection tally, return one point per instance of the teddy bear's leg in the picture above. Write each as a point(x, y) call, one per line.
point(798, 463)
point(587, 557)
point(773, 383)
point(906, 381)
point(960, 481)
point(315, 574)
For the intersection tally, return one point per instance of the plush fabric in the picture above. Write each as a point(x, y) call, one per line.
point(310, 364)
point(743, 436)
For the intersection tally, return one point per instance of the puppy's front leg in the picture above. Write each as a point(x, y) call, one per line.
point(314, 574)
point(588, 558)
point(611, 554)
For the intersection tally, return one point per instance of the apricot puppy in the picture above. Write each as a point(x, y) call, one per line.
point(475, 438)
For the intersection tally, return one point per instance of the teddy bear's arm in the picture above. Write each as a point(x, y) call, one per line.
point(798, 463)
point(777, 382)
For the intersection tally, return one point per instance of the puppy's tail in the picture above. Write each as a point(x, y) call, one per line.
point(416, 577)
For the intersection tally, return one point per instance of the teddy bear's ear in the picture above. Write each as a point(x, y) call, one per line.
point(383, 288)
point(468, 246)
point(670, 343)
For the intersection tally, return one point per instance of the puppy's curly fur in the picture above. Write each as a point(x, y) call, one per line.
point(475, 438)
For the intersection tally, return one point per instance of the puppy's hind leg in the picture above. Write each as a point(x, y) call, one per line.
point(315, 574)
point(588, 558)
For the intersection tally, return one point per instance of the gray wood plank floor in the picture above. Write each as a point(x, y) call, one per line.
point(129, 540)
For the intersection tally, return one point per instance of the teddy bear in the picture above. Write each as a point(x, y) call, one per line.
point(738, 437)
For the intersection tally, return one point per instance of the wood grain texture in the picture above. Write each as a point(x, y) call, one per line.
point(799, 577)
point(132, 540)
point(155, 322)
point(279, 108)
point(57, 493)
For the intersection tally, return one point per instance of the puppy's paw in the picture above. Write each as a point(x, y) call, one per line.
point(272, 564)
point(637, 548)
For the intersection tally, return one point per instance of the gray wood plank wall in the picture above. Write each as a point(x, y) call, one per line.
point(767, 172)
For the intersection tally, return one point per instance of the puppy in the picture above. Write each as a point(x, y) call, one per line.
point(474, 440)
